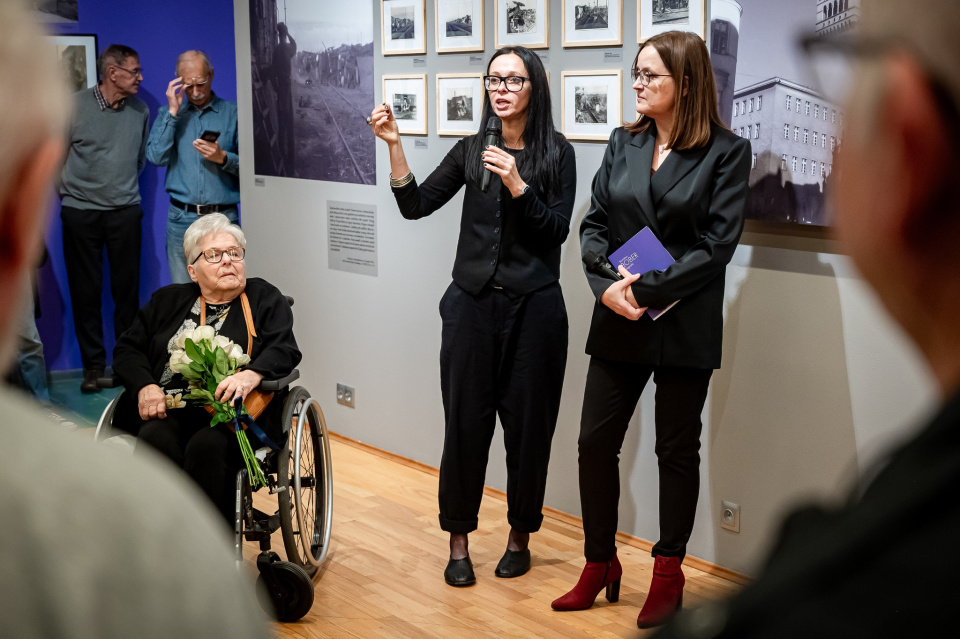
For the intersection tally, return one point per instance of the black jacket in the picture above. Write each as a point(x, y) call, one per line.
point(694, 204)
point(518, 239)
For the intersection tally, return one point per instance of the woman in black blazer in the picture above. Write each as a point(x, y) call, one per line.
point(504, 342)
point(678, 171)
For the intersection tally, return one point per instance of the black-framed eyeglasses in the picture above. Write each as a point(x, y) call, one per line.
point(645, 76)
point(134, 72)
point(514, 83)
point(215, 255)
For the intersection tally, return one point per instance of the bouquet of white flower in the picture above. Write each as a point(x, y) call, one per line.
point(205, 359)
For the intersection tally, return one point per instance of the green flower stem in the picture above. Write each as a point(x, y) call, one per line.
point(253, 467)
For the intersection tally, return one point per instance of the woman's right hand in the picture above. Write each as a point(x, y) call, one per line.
point(152, 403)
point(384, 125)
point(619, 296)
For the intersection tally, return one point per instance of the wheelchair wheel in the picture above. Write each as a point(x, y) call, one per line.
point(105, 425)
point(293, 596)
point(306, 507)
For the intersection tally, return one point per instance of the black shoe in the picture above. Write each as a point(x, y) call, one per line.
point(514, 563)
point(89, 383)
point(459, 572)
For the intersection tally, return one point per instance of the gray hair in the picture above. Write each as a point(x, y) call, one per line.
point(26, 124)
point(114, 55)
point(209, 225)
point(194, 53)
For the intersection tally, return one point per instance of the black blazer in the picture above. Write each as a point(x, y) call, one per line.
point(694, 204)
point(516, 241)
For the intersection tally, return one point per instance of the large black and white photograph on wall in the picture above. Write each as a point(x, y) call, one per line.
point(522, 22)
point(657, 16)
point(62, 11)
point(313, 87)
point(592, 23)
point(407, 96)
point(459, 103)
point(590, 107)
point(403, 24)
point(77, 55)
point(766, 94)
point(459, 25)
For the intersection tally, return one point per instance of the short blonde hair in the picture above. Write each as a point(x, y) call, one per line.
point(209, 225)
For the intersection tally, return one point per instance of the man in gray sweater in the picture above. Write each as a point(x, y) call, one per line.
point(101, 202)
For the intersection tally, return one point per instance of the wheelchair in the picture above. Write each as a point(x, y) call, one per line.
point(301, 475)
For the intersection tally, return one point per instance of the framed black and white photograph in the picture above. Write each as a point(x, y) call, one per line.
point(592, 23)
point(403, 24)
point(522, 22)
point(77, 55)
point(407, 96)
point(58, 11)
point(590, 107)
point(657, 16)
point(312, 86)
point(459, 26)
point(459, 103)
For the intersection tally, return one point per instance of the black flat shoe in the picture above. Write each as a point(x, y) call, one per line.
point(459, 572)
point(513, 563)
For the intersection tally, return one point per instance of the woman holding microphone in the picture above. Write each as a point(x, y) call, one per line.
point(678, 171)
point(504, 340)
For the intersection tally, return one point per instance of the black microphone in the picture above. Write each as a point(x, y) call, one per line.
point(599, 265)
point(491, 137)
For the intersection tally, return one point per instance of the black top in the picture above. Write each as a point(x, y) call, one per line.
point(884, 565)
point(141, 352)
point(694, 203)
point(516, 239)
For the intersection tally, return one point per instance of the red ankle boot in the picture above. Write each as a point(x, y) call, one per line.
point(596, 576)
point(666, 593)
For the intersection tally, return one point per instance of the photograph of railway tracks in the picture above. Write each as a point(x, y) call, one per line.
point(592, 23)
point(658, 16)
point(673, 12)
point(459, 25)
point(592, 14)
point(312, 76)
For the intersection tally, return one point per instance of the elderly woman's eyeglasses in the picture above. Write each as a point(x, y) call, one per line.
point(215, 255)
point(645, 76)
point(514, 83)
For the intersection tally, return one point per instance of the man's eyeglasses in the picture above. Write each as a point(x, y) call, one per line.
point(132, 72)
point(214, 255)
point(514, 83)
point(645, 76)
point(186, 86)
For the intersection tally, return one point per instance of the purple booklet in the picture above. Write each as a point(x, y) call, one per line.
point(643, 253)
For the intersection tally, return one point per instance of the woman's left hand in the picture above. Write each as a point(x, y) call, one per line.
point(504, 165)
point(237, 385)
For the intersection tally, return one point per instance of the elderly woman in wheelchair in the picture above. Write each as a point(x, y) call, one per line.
point(250, 312)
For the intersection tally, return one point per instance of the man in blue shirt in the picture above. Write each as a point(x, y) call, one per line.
point(197, 142)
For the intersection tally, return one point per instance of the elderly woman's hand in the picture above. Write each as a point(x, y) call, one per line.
point(152, 403)
point(237, 385)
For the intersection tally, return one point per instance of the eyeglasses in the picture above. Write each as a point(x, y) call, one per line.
point(132, 72)
point(186, 86)
point(514, 83)
point(645, 76)
point(213, 256)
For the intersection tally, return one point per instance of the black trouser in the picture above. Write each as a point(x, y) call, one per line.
point(499, 356)
point(85, 233)
point(610, 399)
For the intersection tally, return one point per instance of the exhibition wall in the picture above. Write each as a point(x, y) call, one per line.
point(159, 31)
point(815, 379)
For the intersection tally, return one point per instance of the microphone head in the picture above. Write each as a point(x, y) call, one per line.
point(592, 259)
point(494, 125)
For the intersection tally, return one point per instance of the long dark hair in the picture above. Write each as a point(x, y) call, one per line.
point(541, 139)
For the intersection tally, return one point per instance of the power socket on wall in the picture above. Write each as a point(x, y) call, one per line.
point(730, 516)
point(346, 395)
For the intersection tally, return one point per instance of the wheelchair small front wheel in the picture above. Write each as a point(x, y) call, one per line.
point(291, 595)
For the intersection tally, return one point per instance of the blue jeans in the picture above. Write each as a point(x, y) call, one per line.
point(178, 221)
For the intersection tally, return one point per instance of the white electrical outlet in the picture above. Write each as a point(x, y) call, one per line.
point(346, 395)
point(730, 516)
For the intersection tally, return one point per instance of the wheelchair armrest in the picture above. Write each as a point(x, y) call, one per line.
point(111, 381)
point(271, 385)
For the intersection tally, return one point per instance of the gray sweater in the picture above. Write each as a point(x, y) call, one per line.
point(107, 151)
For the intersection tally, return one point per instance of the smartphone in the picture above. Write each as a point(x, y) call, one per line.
point(210, 136)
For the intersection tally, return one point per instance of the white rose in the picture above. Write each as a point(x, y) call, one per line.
point(176, 358)
point(235, 352)
point(222, 342)
point(204, 333)
point(183, 337)
point(243, 360)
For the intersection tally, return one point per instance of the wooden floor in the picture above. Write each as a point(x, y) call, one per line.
point(384, 574)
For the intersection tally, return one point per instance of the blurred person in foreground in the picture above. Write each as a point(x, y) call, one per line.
point(93, 543)
point(885, 563)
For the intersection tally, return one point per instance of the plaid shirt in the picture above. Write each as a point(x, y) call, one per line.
point(103, 102)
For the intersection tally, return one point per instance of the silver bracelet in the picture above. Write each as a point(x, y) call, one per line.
point(397, 183)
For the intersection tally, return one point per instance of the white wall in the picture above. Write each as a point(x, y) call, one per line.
point(814, 381)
